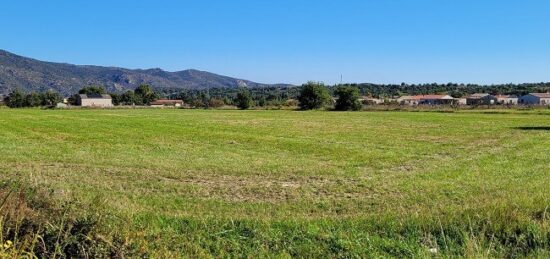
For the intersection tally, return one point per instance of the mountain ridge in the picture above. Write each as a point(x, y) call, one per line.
point(28, 74)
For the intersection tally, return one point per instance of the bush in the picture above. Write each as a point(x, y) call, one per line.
point(313, 96)
point(243, 100)
point(15, 99)
point(216, 103)
point(18, 99)
point(348, 98)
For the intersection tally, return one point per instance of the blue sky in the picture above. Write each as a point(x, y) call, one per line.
point(293, 41)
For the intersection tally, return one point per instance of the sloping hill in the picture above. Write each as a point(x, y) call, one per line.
point(34, 75)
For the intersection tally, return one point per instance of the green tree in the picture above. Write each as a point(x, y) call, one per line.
point(116, 98)
point(314, 95)
point(33, 100)
point(51, 98)
point(128, 98)
point(92, 90)
point(144, 94)
point(244, 99)
point(262, 102)
point(348, 98)
point(15, 99)
point(215, 103)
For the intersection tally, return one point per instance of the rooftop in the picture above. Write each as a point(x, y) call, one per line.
point(478, 95)
point(541, 95)
point(426, 97)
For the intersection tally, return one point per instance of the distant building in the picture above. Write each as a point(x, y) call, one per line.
point(370, 101)
point(433, 99)
point(480, 99)
point(167, 103)
point(507, 99)
point(95, 100)
point(462, 101)
point(409, 100)
point(536, 99)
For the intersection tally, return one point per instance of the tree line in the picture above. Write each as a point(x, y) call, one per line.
point(142, 95)
point(19, 99)
point(312, 95)
point(287, 96)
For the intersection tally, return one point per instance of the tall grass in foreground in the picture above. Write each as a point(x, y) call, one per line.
point(33, 225)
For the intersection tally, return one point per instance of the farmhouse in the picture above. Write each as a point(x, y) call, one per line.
point(409, 100)
point(167, 103)
point(480, 99)
point(427, 100)
point(95, 100)
point(507, 99)
point(536, 99)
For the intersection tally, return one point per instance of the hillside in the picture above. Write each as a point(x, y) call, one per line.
point(35, 75)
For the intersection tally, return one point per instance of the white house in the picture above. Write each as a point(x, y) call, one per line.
point(432, 99)
point(95, 100)
point(370, 101)
point(507, 99)
point(480, 99)
point(536, 99)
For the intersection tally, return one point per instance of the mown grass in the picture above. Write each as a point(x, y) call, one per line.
point(288, 183)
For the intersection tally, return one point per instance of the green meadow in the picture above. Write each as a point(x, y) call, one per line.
point(226, 183)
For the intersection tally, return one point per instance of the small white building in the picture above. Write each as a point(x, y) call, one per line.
point(432, 99)
point(95, 100)
point(536, 99)
point(507, 99)
point(480, 99)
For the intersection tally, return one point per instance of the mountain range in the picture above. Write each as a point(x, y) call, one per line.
point(27, 74)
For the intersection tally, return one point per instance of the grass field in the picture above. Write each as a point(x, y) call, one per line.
point(288, 183)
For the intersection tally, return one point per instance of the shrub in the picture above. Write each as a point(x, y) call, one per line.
point(243, 100)
point(348, 98)
point(313, 95)
point(216, 103)
point(15, 99)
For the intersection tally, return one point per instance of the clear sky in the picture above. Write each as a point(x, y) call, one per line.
point(293, 41)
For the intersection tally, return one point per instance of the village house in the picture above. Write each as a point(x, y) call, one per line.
point(427, 100)
point(409, 100)
point(370, 101)
point(536, 99)
point(95, 100)
point(167, 103)
point(480, 99)
point(507, 99)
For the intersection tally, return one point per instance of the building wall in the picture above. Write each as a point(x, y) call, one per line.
point(97, 102)
point(530, 99)
point(486, 100)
